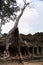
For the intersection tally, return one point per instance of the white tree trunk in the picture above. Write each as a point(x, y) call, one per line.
point(18, 18)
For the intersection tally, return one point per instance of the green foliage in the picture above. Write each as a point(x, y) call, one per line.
point(8, 9)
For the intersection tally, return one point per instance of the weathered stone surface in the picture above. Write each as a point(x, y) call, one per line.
point(30, 46)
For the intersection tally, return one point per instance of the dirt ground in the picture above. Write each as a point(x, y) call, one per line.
point(17, 63)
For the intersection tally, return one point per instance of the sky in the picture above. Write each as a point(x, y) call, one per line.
point(31, 20)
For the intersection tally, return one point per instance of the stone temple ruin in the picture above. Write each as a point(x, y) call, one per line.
point(31, 46)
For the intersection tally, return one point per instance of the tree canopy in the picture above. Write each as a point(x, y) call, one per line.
point(7, 10)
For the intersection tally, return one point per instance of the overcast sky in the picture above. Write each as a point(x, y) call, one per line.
point(31, 21)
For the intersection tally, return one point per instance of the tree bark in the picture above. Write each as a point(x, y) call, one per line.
point(18, 18)
point(15, 26)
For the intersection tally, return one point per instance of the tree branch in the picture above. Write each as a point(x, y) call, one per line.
point(18, 18)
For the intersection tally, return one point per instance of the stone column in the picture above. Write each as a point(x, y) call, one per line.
point(38, 50)
point(29, 54)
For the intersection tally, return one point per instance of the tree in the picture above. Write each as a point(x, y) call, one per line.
point(7, 12)
point(15, 26)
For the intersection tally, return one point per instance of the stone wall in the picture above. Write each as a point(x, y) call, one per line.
point(10, 44)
